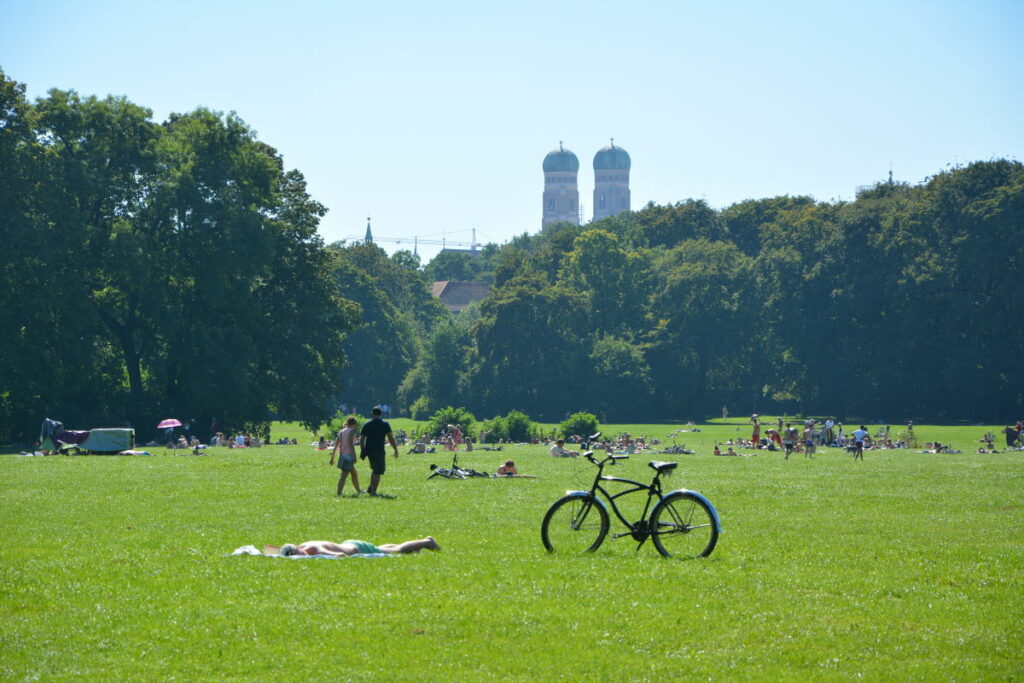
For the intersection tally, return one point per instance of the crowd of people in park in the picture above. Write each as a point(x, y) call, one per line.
point(807, 436)
point(1014, 435)
point(370, 442)
point(218, 440)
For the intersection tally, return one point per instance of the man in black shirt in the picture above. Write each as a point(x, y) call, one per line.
point(371, 446)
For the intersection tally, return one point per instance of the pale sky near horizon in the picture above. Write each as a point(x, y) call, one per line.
point(434, 117)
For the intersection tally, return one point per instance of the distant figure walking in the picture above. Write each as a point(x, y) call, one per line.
point(371, 446)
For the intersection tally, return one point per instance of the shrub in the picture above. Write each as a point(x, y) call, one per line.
point(583, 424)
point(496, 428)
point(520, 426)
point(451, 416)
point(420, 409)
point(337, 423)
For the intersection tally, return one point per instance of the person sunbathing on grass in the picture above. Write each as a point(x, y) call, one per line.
point(349, 548)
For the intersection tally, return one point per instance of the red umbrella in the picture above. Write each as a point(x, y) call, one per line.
point(169, 422)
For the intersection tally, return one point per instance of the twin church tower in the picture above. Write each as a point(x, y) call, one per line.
point(561, 192)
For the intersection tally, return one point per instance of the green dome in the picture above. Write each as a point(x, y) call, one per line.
point(561, 160)
point(611, 158)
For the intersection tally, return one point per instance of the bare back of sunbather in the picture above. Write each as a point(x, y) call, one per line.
point(346, 548)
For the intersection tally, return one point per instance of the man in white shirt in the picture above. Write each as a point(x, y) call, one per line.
point(558, 452)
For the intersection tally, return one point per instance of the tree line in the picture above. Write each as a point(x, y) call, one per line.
point(174, 269)
point(901, 304)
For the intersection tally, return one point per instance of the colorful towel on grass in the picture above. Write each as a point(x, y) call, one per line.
point(253, 550)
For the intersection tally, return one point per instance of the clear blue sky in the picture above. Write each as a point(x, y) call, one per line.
point(434, 117)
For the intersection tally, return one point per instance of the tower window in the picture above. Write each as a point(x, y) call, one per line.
point(551, 204)
point(601, 202)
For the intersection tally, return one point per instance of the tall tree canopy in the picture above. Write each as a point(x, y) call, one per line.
point(177, 266)
point(898, 305)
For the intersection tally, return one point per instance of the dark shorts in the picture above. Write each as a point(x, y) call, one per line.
point(809, 444)
point(378, 462)
point(858, 444)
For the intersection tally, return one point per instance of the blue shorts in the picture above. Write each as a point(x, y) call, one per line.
point(347, 462)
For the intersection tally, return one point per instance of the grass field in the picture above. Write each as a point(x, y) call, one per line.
point(906, 566)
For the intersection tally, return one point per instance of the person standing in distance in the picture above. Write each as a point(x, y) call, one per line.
point(371, 446)
point(859, 435)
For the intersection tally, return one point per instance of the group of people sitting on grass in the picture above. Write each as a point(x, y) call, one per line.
point(219, 440)
point(625, 444)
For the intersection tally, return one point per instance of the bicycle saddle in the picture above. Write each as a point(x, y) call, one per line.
point(659, 466)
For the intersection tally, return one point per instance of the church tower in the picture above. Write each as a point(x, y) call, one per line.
point(561, 192)
point(611, 181)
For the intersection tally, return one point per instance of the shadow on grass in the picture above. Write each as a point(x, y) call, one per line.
point(367, 496)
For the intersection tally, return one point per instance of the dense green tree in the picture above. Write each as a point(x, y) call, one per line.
point(47, 364)
point(744, 220)
point(177, 269)
point(527, 341)
point(620, 382)
point(449, 265)
point(614, 279)
point(382, 348)
point(706, 315)
point(438, 376)
point(667, 226)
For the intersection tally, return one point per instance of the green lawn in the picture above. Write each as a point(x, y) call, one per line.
point(904, 566)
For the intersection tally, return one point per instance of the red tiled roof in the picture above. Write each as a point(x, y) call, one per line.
point(457, 295)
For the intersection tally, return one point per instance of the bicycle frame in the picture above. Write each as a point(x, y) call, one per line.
point(653, 491)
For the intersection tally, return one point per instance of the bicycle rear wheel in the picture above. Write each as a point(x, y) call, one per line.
point(574, 524)
point(682, 525)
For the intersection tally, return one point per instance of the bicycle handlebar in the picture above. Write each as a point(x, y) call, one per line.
point(589, 455)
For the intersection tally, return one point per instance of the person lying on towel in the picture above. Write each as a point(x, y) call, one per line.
point(349, 548)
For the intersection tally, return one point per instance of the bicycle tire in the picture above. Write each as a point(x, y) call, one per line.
point(570, 526)
point(683, 525)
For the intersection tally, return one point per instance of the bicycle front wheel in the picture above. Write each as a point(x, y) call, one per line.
point(574, 524)
point(682, 525)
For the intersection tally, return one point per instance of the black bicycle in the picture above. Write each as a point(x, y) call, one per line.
point(455, 471)
point(681, 523)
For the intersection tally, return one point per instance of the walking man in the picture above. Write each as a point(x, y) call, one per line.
point(371, 446)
